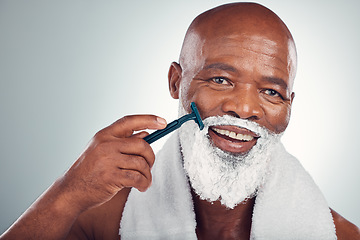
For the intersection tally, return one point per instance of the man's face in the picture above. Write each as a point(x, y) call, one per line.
point(237, 64)
point(246, 76)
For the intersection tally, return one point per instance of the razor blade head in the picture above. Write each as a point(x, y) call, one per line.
point(197, 115)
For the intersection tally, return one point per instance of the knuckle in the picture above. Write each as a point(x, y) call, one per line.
point(100, 135)
point(125, 118)
point(126, 142)
point(134, 176)
point(147, 152)
point(137, 143)
point(141, 164)
point(141, 144)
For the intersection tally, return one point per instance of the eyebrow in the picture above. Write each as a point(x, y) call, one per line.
point(277, 81)
point(221, 66)
point(226, 67)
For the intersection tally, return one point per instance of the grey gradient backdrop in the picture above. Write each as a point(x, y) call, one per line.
point(70, 68)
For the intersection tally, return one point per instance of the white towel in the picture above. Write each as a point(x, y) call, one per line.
point(288, 206)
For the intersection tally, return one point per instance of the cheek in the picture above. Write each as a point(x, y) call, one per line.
point(186, 94)
point(207, 101)
point(277, 118)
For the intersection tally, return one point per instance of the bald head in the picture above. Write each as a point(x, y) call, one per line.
point(250, 22)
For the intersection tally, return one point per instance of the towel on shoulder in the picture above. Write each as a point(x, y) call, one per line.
point(288, 206)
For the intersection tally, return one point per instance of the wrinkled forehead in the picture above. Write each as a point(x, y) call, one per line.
point(248, 51)
point(230, 43)
point(241, 48)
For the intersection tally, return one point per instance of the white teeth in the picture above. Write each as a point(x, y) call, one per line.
point(233, 135)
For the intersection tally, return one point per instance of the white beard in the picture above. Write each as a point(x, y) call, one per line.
point(218, 175)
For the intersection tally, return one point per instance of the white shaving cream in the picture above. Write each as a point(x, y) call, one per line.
point(218, 175)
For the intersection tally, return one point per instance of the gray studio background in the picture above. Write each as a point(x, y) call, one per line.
point(70, 68)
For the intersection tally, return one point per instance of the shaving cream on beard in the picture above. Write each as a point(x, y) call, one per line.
point(218, 175)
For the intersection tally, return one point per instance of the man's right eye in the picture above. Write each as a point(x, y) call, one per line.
point(220, 80)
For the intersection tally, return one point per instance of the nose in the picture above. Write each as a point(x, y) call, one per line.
point(243, 103)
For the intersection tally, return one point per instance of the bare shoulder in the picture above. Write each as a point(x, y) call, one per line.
point(344, 228)
point(101, 222)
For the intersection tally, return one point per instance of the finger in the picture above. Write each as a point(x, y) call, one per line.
point(129, 178)
point(136, 146)
point(141, 134)
point(126, 126)
point(135, 163)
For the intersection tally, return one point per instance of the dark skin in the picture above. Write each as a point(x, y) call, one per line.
point(238, 68)
point(209, 215)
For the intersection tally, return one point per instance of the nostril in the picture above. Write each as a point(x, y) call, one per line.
point(233, 114)
point(253, 118)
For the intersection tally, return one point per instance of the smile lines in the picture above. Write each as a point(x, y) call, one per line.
point(234, 135)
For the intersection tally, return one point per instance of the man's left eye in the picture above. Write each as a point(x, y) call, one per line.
point(272, 93)
point(220, 80)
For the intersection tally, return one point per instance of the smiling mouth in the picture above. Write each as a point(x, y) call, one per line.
point(233, 139)
point(233, 135)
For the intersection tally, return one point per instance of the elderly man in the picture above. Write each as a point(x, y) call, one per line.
point(232, 180)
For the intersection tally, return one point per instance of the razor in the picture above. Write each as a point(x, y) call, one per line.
point(194, 115)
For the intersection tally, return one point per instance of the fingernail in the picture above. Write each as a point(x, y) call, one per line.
point(161, 120)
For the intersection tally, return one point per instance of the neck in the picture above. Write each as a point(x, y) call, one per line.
point(215, 221)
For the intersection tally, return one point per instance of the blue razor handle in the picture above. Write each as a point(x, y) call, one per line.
point(194, 115)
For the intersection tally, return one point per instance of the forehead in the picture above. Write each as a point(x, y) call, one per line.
point(253, 53)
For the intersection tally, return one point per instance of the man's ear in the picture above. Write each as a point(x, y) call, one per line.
point(174, 77)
